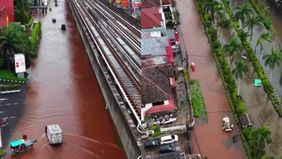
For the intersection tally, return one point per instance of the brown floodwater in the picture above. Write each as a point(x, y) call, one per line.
point(63, 90)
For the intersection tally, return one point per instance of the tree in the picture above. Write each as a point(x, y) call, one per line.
point(267, 36)
point(243, 12)
point(251, 22)
point(258, 138)
point(232, 47)
point(240, 69)
point(212, 6)
point(22, 11)
point(12, 40)
point(243, 35)
point(272, 60)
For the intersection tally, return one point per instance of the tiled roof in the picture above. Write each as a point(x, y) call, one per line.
point(150, 17)
point(156, 83)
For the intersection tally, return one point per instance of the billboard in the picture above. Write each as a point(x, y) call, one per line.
point(6, 11)
point(20, 63)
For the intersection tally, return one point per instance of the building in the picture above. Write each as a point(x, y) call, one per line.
point(6, 12)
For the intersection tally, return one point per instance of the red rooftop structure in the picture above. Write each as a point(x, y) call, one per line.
point(150, 17)
point(6, 10)
point(168, 106)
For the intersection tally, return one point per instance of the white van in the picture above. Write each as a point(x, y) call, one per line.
point(54, 134)
point(169, 139)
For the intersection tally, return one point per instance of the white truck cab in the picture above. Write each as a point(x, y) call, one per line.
point(54, 134)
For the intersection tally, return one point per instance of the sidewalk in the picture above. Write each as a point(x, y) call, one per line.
point(208, 138)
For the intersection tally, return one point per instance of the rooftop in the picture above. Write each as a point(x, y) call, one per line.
point(150, 17)
point(154, 46)
point(156, 83)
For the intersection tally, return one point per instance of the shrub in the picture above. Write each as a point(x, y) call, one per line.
point(35, 38)
point(197, 99)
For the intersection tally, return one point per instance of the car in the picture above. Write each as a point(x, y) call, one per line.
point(151, 143)
point(227, 126)
point(167, 148)
point(169, 139)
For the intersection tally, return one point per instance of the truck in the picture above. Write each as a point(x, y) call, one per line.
point(54, 134)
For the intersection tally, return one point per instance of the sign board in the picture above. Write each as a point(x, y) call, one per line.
point(20, 63)
point(137, 4)
point(6, 12)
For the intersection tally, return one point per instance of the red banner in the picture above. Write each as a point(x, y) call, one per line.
point(6, 12)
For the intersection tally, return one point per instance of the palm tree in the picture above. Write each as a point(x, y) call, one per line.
point(243, 35)
point(243, 12)
point(240, 69)
point(267, 36)
point(272, 60)
point(232, 47)
point(260, 137)
point(251, 22)
point(212, 6)
point(12, 40)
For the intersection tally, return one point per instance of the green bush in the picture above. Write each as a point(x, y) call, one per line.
point(8, 75)
point(35, 38)
point(197, 99)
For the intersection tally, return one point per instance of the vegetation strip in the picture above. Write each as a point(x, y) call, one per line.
point(257, 67)
point(8, 75)
point(198, 103)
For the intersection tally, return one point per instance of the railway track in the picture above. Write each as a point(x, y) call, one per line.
point(124, 29)
point(129, 55)
point(120, 17)
point(110, 52)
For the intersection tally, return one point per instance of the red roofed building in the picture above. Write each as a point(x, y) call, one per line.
point(169, 53)
point(168, 106)
point(6, 10)
point(150, 17)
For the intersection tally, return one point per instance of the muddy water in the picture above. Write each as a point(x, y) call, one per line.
point(63, 90)
point(276, 18)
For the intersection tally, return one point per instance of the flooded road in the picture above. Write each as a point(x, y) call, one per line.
point(63, 90)
point(276, 18)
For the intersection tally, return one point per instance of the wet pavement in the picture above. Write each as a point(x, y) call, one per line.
point(208, 138)
point(63, 90)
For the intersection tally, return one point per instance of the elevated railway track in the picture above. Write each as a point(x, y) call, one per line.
point(122, 59)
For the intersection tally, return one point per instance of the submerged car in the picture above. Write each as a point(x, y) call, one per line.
point(167, 148)
point(151, 143)
point(169, 139)
point(227, 126)
point(20, 145)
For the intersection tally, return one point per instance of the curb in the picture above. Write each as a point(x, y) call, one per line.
point(13, 81)
point(12, 91)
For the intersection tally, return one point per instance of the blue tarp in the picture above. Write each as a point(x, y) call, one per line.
point(17, 142)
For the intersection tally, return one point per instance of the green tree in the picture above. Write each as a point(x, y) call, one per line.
point(232, 48)
point(240, 69)
point(251, 22)
point(267, 36)
point(22, 11)
point(272, 60)
point(243, 35)
point(212, 7)
point(12, 40)
point(258, 138)
point(243, 12)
